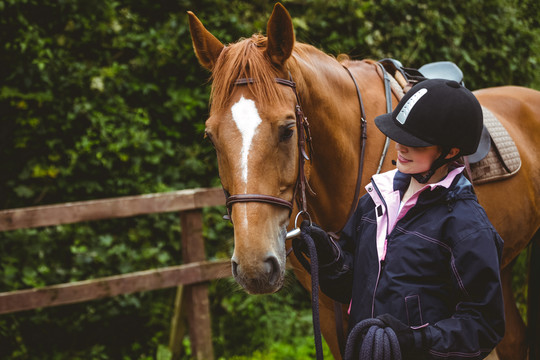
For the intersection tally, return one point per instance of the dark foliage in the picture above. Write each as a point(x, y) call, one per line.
point(106, 98)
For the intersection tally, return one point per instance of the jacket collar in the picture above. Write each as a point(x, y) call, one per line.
point(453, 182)
point(401, 180)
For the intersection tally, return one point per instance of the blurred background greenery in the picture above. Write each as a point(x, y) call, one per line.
point(105, 98)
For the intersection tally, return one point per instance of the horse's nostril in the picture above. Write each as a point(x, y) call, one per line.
point(234, 268)
point(258, 277)
point(272, 269)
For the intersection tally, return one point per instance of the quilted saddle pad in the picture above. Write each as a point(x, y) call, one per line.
point(503, 159)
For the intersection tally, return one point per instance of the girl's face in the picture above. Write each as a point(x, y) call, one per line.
point(416, 160)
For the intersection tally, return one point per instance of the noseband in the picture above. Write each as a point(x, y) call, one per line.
point(304, 137)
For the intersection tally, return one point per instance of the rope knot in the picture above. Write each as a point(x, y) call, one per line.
point(371, 339)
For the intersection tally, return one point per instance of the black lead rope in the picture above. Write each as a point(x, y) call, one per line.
point(313, 269)
point(370, 339)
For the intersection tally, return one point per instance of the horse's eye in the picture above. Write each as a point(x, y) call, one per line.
point(286, 132)
point(208, 136)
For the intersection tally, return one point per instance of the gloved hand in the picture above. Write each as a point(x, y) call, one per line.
point(326, 249)
point(403, 332)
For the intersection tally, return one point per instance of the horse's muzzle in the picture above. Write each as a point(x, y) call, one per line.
point(263, 279)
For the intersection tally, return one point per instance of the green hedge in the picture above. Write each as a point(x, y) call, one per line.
point(105, 98)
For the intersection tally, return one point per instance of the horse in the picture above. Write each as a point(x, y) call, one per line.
point(266, 89)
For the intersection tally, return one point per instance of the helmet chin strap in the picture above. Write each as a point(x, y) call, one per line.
point(440, 161)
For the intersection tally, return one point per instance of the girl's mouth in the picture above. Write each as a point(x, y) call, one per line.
point(402, 160)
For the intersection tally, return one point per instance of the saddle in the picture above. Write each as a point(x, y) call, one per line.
point(497, 156)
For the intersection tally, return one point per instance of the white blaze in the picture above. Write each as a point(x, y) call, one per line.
point(247, 119)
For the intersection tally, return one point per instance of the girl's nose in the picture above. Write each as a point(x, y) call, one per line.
point(401, 148)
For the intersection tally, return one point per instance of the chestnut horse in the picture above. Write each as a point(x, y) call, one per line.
point(252, 126)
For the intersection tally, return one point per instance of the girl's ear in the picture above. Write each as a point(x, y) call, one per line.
point(453, 152)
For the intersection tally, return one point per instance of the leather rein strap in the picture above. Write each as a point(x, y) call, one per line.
point(304, 137)
point(363, 134)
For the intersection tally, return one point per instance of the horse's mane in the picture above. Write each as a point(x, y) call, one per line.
point(247, 59)
point(243, 59)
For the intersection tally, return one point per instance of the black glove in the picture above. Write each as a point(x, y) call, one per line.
point(403, 332)
point(326, 249)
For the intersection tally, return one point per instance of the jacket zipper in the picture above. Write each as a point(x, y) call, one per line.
point(383, 260)
point(381, 268)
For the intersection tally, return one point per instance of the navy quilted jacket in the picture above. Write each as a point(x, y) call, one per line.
point(433, 264)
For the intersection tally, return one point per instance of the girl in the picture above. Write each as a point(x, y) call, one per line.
point(420, 253)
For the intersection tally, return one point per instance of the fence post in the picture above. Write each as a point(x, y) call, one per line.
point(196, 296)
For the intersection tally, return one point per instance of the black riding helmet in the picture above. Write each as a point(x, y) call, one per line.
point(435, 112)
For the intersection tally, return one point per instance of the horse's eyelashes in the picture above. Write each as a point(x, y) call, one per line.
point(286, 133)
point(208, 136)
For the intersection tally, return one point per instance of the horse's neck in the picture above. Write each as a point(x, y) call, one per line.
point(331, 104)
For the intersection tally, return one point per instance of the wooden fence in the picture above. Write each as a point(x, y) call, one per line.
point(191, 278)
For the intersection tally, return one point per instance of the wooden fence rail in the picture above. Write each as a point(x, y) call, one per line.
point(110, 208)
point(86, 290)
point(191, 277)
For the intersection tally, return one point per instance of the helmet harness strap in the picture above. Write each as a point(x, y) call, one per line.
point(440, 161)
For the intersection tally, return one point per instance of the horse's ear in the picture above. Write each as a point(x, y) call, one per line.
point(207, 47)
point(280, 34)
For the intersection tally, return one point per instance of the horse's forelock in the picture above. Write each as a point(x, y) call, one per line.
point(244, 59)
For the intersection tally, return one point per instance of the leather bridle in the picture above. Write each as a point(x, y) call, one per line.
point(304, 137)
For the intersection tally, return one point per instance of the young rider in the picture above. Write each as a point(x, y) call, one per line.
point(420, 253)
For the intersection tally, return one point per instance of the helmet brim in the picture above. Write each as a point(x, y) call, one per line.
point(390, 128)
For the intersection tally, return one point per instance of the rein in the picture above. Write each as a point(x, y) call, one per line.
point(363, 134)
point(375, 331)
point(304, 138)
